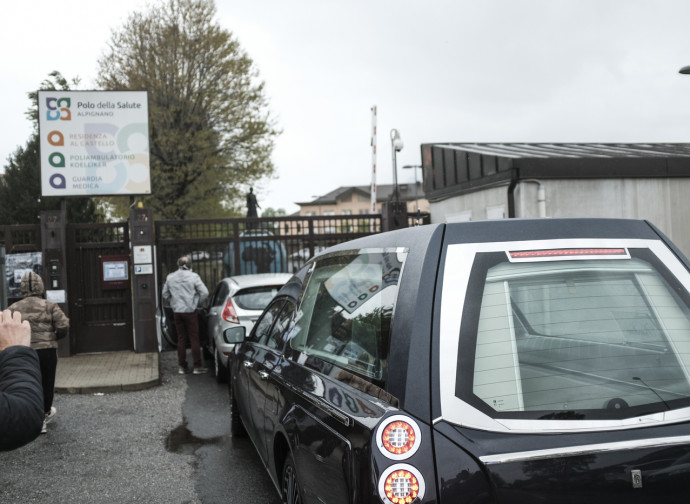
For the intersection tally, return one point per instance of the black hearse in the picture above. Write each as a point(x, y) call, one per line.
point(482, 362)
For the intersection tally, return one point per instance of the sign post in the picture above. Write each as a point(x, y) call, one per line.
point(96, 143)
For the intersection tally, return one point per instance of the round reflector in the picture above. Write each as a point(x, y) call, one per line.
point(401, 484)
point(398, 437)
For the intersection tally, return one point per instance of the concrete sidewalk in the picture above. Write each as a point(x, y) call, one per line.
point(107, 372)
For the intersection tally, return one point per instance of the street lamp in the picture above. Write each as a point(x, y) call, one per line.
point(396, 146)
point(416, 200)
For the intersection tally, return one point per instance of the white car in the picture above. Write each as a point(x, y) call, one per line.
point(237, 300)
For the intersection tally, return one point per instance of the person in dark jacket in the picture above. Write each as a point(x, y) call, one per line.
point(21, 394)
point(48, 324)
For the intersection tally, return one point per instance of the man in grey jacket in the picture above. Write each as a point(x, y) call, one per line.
point(185, 290)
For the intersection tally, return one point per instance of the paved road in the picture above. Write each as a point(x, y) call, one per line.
point(168, 444)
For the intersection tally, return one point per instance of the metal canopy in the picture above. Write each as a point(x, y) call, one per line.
point(452, 169)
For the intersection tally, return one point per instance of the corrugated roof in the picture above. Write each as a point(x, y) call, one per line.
point(458, 168)
point(571, 150)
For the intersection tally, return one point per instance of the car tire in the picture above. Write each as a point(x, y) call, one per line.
point(236, 427)
point(290, 489)
point(168, 328)
point(220, 370)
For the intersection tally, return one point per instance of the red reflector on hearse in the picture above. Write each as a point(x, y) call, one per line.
point(569, 253)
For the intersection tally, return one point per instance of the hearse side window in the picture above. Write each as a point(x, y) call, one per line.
point(345, 314)
point(584, 339)
point(273, 339)
point(263, 325)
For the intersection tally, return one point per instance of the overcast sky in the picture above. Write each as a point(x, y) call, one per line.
point(438, 71)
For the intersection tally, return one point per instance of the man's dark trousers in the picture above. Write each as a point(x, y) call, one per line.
point(187, 325)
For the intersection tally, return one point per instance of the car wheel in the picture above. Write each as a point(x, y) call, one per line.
point(290, 491)
point(220, 370)
point(236, 426)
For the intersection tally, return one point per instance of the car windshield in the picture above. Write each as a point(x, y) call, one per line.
point(577, 339)
point(255, 298)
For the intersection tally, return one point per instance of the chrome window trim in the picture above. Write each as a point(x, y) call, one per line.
point(326, 426)
point(571, 451)
point(314, 400)
point(459, 262)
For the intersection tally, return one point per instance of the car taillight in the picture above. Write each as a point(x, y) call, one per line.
point(398, 437)
point(229, 313)
point(401, 484)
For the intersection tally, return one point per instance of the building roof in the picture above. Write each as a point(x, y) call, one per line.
point(383, 193)
point(452, 169)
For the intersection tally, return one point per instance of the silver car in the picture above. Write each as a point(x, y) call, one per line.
point(237, 300)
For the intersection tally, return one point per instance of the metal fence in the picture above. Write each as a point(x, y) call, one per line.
point(18, 238)
point(15, 239)
point(224, 247)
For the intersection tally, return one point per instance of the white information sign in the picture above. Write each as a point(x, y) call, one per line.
point(143, 269)
point(18, 274)
point(94, 143)
point(56, 296)
point(115, 270)
point(142, 254)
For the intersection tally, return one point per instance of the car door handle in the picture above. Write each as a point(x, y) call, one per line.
point(263, 375)
point(248, 364)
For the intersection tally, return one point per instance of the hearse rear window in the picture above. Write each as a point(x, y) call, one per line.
point(345, 313)
point(606, 335)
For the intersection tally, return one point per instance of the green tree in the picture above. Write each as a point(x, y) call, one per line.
point(274, 227)
point(211, 132)
point(20, 188)
point(271, 212)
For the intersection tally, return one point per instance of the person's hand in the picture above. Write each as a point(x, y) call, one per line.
point(13, 331)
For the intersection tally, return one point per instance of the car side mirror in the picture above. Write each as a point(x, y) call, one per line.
point(233, 335)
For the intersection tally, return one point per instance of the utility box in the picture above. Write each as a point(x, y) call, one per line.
point(394, 215)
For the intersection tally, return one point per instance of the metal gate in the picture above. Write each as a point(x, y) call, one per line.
point(223, 247)
point(100, 313)
point(17, 239)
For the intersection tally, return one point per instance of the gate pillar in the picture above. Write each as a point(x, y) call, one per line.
point(143, 280)
point(53, 242)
